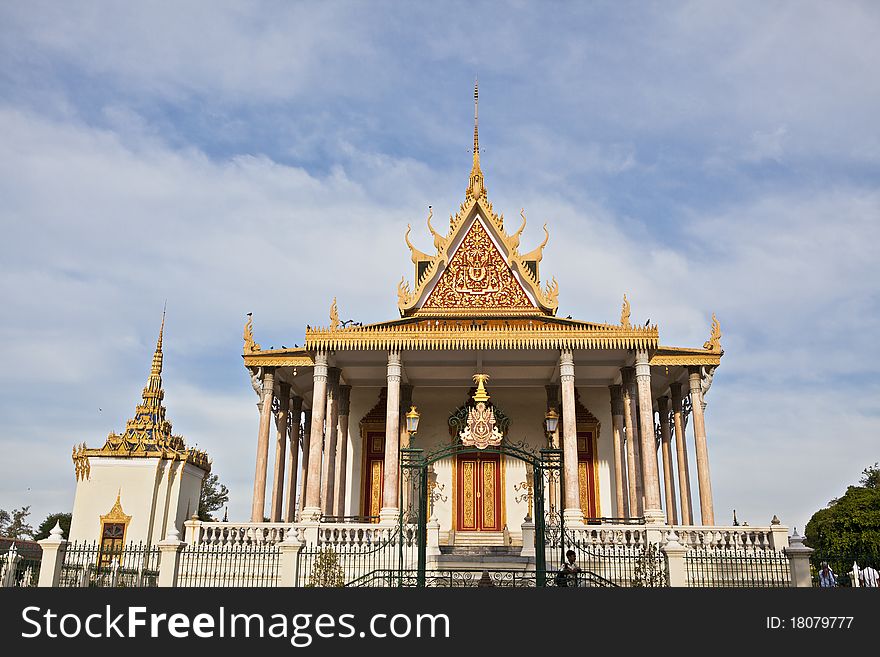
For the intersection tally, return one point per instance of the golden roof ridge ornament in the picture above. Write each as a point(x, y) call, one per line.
point(415, 255)
point(440, 242)
point(334, 316)
point(624, 313)
point(714, 341)
point(249, 345)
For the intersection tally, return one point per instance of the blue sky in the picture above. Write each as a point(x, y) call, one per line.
point(265, 157)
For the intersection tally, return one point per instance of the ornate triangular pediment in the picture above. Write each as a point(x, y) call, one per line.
point(477, 270)
point(478, 278)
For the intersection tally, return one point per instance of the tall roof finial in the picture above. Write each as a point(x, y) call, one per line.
point(476, 124)
point(156, 369)
point(476, 187)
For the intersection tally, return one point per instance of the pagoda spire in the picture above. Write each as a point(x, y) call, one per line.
point(148, 433)
point(476, 187)
point(153, 392)
point(156, 369)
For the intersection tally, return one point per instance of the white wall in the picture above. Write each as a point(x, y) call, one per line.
point(156, 493)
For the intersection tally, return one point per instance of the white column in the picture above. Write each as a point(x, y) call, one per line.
point(280, 451)
point(622, 506)
point(258, 508)
point(668, 477)
point(306, 450)
point(342, 450)
point(684, 480)
point(707, 511)
point(328, 478)
point(390, 499)
point(572, 512)
point(312, 507)
point(294, 419)
point(650, 473)
point(633, 470)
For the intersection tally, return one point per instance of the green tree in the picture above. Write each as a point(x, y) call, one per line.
point(848, 529)
point(214, 495)
point(49, 524)
point(326, 571)
point(871, 477)
point(649, 571)
point(15, 525)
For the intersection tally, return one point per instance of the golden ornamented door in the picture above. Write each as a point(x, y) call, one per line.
point(478, 492)
point(586, 472)
point(374, 449)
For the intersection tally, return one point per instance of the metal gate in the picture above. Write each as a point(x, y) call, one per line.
point(545, 466)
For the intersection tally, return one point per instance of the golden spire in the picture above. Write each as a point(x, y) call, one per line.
point(148, 433)
point(476, 188)
point(148, 429)
point(156, 369)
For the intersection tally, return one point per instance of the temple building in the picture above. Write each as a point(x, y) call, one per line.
point(480, 357)
point(140, 484)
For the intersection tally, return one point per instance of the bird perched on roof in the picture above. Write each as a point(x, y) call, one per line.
point(648, 322)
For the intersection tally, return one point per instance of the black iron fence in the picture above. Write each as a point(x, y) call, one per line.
point(632, 565)
point(26, 570)
point(205, 564)
point(355, 557)
point(719, 567)
point(90, 564)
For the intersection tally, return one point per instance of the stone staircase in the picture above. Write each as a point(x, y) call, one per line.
point(480, 539)
point(476, 556)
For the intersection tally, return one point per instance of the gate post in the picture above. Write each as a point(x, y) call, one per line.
point(528, 539)
point(54, 549)
point(290, 548)
point(169, 562)
point(675, 551)
point(799, 561)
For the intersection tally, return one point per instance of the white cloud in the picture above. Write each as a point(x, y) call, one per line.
point(110, 207)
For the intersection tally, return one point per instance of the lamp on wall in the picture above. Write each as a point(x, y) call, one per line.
point(551, 421)
point(412, 421)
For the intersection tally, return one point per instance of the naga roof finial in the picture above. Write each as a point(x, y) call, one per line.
point(624, 313)
point(334, 315)
point(714, 341)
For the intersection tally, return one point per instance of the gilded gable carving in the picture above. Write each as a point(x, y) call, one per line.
point(477, 277)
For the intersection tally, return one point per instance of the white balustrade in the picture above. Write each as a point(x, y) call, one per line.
point(750, 539)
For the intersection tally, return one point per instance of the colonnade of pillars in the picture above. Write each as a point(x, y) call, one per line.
point(324, 456)
point(634, 447)
point(324, 445)
point(636, 470)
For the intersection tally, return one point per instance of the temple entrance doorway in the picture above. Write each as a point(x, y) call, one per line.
point(478, 492)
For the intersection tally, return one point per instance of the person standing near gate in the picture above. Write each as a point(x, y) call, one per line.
point(826, 576)
point(568, 573)
point(869, 577)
